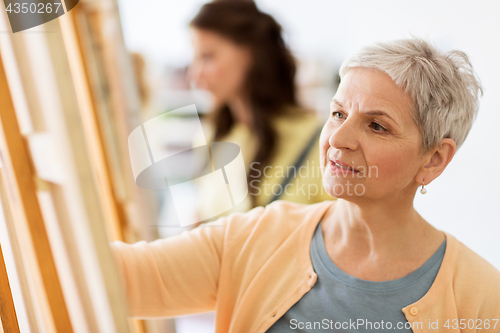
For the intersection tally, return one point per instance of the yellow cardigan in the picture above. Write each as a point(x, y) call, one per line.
point(255, 266)
point(294, 133)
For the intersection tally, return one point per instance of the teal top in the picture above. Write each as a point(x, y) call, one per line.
point(339, 301)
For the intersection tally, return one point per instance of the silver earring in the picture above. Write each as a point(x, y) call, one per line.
point(423, 190)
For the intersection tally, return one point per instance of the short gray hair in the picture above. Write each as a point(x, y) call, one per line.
point(443, 86)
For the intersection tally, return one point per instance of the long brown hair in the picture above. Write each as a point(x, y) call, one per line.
point(270, 80)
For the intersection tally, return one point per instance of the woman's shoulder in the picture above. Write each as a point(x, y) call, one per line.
point(274, 222)
point(469, 262)
point(475, 280)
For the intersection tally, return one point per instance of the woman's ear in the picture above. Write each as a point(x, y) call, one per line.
point(437, 160)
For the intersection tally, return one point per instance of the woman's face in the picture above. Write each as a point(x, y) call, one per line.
point(370, 129)
point(219, 65)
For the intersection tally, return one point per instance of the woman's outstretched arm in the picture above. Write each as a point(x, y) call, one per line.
point(174, 276)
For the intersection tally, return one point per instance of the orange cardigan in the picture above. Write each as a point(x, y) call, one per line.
point(254, 266)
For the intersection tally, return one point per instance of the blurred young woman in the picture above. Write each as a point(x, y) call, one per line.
point(241, 59)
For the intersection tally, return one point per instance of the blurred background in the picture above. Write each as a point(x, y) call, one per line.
point(465, 199)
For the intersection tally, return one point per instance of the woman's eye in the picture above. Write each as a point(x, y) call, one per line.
point(337, 114)
point(207, 56)
point(378, 127)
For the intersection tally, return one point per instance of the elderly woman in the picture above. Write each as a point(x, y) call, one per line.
point(365, 262)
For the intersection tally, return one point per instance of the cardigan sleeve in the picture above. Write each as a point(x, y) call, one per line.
point(173, 276)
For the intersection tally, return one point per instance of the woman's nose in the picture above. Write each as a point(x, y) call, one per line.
point(345, 136)
point(194, 74)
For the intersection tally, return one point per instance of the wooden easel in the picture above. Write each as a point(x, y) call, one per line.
point(67, 105)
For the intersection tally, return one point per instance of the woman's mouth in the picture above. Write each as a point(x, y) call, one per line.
point(340, 167)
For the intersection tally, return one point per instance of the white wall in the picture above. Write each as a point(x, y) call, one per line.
point(465, 199)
